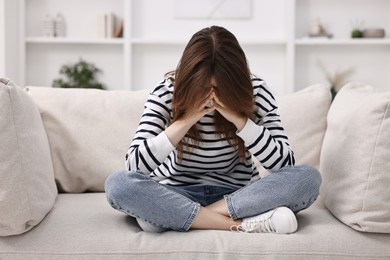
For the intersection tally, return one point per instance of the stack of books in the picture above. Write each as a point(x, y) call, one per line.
point(109, 26)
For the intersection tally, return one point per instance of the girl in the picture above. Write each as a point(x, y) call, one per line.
point(190, 165)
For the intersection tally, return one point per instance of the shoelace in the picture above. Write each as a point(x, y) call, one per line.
point(255, 225)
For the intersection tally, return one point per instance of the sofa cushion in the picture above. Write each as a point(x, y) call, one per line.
point(303, 116)
point(84, 226)
point(355, 160)
point(27, 187)
point(89, 132)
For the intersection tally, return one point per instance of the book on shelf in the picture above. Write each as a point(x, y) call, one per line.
point(119, 30)
point(108, 27)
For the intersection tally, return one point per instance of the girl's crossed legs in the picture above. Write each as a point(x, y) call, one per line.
point(210, 207)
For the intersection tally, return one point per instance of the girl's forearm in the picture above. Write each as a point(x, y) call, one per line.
point(177, 130)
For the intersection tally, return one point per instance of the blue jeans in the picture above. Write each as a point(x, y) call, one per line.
point(175, 208)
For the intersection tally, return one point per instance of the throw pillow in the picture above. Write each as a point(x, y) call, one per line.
point(355, 160)
point(89, 132)
point(27, 187)
point(303, 116)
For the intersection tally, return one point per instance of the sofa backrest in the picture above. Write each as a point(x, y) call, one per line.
point(89, 130)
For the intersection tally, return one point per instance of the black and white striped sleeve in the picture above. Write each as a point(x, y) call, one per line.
point(150, 145)
point(264, 136)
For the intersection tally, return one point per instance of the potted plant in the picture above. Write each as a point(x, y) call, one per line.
point(79, 75)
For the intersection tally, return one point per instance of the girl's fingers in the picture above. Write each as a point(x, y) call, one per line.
point(209, 100)
point(218, 101)
point(209, 109)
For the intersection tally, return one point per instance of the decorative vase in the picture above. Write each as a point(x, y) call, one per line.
point(48, 26)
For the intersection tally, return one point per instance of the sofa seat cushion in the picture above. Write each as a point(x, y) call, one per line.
point(84, 226)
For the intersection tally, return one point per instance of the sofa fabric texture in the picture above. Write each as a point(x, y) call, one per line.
point(355, 161)
point(27, 187)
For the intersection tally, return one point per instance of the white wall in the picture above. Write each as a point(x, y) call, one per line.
point(2, 38)
point(156, 19)
point(12, 40)
point(9, 40)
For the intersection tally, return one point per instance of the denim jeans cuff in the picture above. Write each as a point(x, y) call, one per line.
point(230, 207)
point(192, 217)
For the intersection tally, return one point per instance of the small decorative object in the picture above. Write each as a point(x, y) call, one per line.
point(53, 26)
point(48, 26)
point(79, 75)
point(59, 26)
point(374, 33)
point(318, 30)
point(357, 31)
point(337, 80)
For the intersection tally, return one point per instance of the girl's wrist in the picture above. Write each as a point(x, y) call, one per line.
point(240, 123)
point(177, 130)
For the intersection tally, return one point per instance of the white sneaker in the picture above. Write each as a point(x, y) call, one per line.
point(280, 220)
point(149, 227)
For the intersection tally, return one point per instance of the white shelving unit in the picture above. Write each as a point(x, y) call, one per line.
point(274, 39)
point(350, 42)
point(368, 58)
point(42, 57)
point(42, 40)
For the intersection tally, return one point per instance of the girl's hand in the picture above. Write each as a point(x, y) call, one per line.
point(236, 118)
point(178, 129)
point(205, 107)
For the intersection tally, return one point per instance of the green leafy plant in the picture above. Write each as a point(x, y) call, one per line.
point(79, 75)
point(357, 31)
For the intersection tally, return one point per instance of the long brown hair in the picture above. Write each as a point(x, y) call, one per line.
point(213, 53)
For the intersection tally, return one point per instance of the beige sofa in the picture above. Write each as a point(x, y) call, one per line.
point(59, 145)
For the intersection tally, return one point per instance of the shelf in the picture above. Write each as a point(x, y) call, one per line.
point(47, 40)
point(314, 41)
point(152, 41)
point(263, 42)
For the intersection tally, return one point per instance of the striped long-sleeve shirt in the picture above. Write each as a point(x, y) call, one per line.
point(213, 161)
